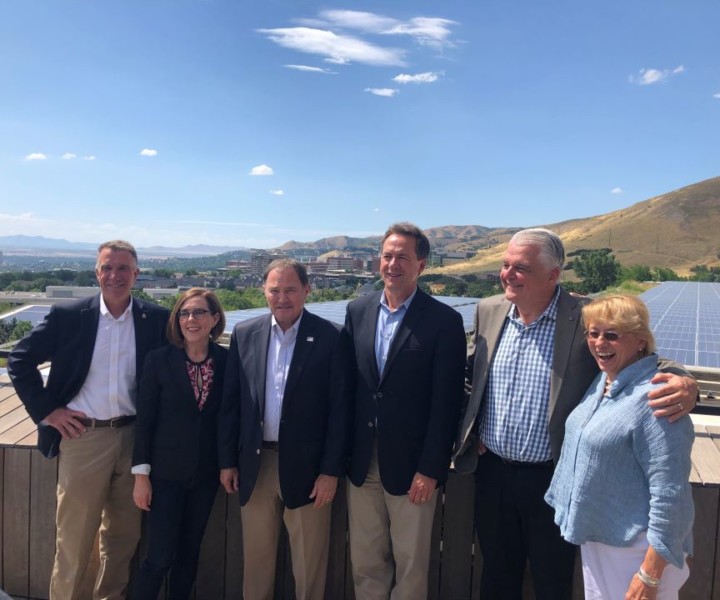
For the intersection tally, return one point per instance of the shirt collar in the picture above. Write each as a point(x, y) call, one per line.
point(549, 313)
point(105, 311)
point(292, 330)
point(631, 373)
point(405, 305)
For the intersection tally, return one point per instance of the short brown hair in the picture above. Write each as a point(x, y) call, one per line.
point(174, 334)
point(118, 245)
point(422, 244)
point(625, 313)
point(280, 264)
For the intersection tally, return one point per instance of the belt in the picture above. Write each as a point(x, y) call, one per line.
point(270, 446)
point(113, 423)
point(546, 464)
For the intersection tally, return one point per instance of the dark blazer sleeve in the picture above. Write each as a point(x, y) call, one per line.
point(334, 459)
point(148, 406)
point(35, 348)
point(229, 415)
point(447, 383)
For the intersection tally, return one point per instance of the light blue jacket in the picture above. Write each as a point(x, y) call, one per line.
point(623, 471)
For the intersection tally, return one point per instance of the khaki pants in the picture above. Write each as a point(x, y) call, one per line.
point(387, 530)
point(308, 530)
point(94, 492)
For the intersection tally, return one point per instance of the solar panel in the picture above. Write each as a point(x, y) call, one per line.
point(34, 313)
point(335, 311)
point(685, 319)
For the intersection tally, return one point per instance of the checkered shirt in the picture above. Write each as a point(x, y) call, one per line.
point(514, 421)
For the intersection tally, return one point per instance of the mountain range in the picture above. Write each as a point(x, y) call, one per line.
point(678, 230)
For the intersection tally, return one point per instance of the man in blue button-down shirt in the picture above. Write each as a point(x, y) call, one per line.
point(408, 351)
point(528, 366)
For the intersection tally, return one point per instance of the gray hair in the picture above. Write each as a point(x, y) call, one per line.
point(550, 244)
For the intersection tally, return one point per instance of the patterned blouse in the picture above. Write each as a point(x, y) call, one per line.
point(201, 378)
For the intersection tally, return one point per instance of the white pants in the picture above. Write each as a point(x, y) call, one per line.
point(608, 570)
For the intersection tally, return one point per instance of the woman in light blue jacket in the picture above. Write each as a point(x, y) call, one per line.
point(620, 489)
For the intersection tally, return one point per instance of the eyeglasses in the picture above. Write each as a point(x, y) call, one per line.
point(195, 313)
point(608, 336)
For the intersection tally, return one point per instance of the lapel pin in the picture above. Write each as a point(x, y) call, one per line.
point(310, 339)
point(144, 316)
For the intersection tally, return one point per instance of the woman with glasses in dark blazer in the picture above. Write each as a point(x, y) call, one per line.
point(175, 456)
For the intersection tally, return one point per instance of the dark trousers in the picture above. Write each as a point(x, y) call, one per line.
point(176, 523)
point(514, 525)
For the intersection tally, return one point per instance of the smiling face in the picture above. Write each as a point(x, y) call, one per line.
point(116, 271)
point(196, 328)
point(613, 356)
point(285, 296)
point(528, 281)
point(400, 268)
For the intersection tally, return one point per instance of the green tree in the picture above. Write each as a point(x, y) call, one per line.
point(636, 273)
point(664, 274)
point(12, 329)
point(597, 269)
point(164, 273)
point(140, 295)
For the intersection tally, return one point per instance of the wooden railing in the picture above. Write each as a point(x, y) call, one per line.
point(27, 526)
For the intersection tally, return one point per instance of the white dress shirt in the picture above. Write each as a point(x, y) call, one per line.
point(110, 387)
point(279, 356)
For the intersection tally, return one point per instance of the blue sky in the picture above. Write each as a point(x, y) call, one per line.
point(252, 123)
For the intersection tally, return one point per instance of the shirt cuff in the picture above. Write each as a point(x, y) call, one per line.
point(140, 470)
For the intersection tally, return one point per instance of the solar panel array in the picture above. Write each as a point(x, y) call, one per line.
point(685, 319)
point(684, 316)
point(335, 311)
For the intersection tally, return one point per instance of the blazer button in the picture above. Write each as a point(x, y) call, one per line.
point(379, 395)
point(370, 423)
point(258, 450)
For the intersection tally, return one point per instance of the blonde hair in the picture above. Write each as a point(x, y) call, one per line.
point(625, 314)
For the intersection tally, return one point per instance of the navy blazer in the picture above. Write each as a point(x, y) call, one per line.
point(314, 417)
point(67, 338)
point(412, 410)
point(172, 435)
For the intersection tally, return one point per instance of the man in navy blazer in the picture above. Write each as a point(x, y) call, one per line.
point(282, 432)
point(408, 354)
point(85, 414)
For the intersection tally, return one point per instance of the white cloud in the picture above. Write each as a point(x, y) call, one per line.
point(36, 156)
point(261, 170)
point(277, 192)
point(92, 157)
point(148, 152)
point(428, 77)
point(430, 31)
point(308, 69)
point(717, 95)
point(385, 92)
point(376, 210)
point(616, 190)
point(338, 48)
point(22, 217)
point(651, 76)
point(69, 156)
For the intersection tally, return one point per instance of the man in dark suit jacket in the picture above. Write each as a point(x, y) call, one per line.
point(86, 412)
point(528, 367)
point(282, 432)
point(408, 354)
